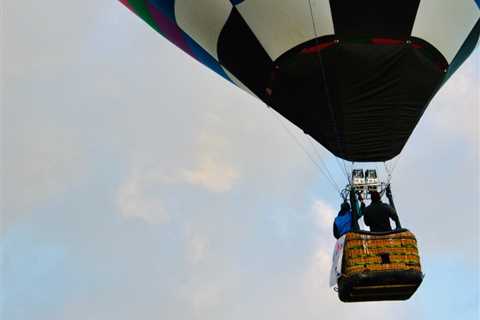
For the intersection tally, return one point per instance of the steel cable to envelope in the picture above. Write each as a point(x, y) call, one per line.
point(324, 79)
point(295, 139)
point(394, 166)
point(326, 166)
point(387, 171)
point(320, 158)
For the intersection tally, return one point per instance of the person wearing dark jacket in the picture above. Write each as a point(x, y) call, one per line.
point(343, 221)
point(378, 214)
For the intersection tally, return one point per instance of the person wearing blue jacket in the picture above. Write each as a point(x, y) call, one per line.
point(347, 218)
point(343, 221)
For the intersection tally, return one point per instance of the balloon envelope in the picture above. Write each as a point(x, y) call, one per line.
point(354, 75)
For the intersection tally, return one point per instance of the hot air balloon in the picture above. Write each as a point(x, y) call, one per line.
point(356, 76)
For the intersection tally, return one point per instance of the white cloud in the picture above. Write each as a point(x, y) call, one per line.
point(324, 214)
point(212, 170)
point(141, 194)
point(135, 202)
point(316, 276)
point(214, 175)
point(197, 246)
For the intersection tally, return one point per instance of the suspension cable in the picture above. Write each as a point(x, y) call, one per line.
point(332, 182)
point(320, 60)
point(343, 169)
point(387, 170)
point(320, 158)
point(390, 171)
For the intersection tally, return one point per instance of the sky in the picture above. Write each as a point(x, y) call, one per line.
point(138, 184)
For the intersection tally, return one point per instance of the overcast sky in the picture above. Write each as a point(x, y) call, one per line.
point(138, 184)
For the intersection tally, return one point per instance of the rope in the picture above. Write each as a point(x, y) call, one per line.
point(387, 170)
point(319, 157)
point(343, 170)
point(332, 182)
point(319, 56)
point(390, 171)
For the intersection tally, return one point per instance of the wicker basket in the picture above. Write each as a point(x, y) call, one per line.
point(373, 252)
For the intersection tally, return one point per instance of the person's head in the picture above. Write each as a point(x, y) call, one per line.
point(374, 196)
point(345, 207)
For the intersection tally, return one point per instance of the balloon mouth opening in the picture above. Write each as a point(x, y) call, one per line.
point(359, 97)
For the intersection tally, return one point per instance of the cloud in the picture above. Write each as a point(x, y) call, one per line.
point(143, 191)
point(324, 214)
point(212, 175)
point(316, 276)
point(214, 169)
point(197, 246)
point(135, 202)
